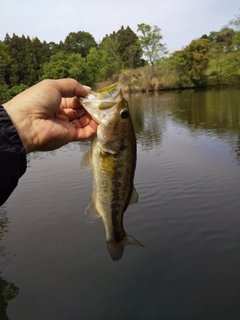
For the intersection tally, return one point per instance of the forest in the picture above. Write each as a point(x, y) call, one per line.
point(139, 62)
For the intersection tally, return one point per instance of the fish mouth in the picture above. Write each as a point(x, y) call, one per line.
point(101, 104)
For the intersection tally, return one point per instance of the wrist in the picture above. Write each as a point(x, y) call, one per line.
point(20, 124)
point(11, 143)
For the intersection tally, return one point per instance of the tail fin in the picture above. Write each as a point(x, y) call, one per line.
point(116, 249)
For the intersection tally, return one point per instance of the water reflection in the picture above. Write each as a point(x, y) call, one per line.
point(214, 113)
point(81, 146)
point(211, 112)
point(8, 290)
point(215, 110)
point(188, 218)
point(148, 119)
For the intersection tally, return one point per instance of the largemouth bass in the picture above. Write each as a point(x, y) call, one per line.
point(112, 159)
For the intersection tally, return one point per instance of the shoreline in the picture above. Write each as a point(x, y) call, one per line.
point(131, 89)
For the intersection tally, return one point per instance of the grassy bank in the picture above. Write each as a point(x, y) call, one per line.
point(144, 80)
point(221, 72)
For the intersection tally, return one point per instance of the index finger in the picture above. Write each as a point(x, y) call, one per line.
point(70, 88)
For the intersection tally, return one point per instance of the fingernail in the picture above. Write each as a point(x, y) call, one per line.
point(87, 88)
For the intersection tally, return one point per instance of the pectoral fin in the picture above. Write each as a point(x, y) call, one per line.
point(91, 213)
point(86, 162)
point(134, 197)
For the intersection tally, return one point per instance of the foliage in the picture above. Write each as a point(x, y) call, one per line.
point(79, 42)
point(4, 93)
point(4, 62)
point(129, 48)
point(180, 62)
point(26, 57)
point(191, 63)
point(235, 23)
point(197, 53)
point(150, 42)
point(222, 39)
point(104, 61)
point(7, 93)
point(235, 46)
point(63, 65)
point(212, 59)
point(110, 61)
point(94, 61)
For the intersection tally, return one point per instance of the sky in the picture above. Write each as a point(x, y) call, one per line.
point(180, 21)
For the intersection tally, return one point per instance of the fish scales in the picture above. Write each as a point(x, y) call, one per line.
point(113, 160)
point(112, 177)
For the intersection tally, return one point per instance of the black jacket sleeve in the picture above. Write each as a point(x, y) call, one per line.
point(13, 161)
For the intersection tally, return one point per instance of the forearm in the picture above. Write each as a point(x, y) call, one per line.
point(12, 156)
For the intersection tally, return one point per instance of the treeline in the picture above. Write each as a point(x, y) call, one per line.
point(211, 60)
point(140, 62)
point(25, 61)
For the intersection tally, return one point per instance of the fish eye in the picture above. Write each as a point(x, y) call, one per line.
point(124, 113)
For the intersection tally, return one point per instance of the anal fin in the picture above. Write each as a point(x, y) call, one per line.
point(134, 197)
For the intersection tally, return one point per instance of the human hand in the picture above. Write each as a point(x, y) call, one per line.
point(49, 115)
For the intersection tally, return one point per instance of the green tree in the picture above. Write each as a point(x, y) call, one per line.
point(222, 39)
point(4, 63)
point(15, 49)
point(79, 42)
point(129, 48)
point(236, 42)
point(181, 64)
point(63, 65)
point(110, 60)
point(150, 41)
point(235, 23)
point(191, 63)
point(105, 59)
point(198, 59)
point(27, 58)
point(42, 53)
point(94, 61)
point(55, 47)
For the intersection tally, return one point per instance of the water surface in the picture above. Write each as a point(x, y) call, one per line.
point(54, 265)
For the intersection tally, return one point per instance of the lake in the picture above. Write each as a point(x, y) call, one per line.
point(55, 265)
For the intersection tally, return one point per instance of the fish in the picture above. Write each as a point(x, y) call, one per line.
point(112, 159)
